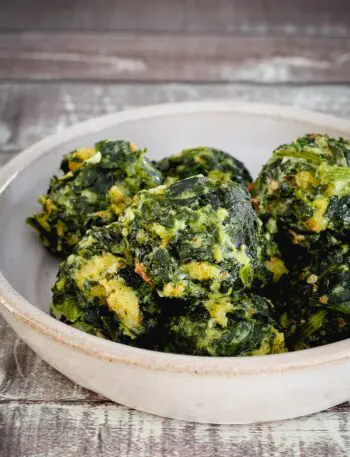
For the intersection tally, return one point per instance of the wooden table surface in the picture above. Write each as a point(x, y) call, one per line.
point(64, 62)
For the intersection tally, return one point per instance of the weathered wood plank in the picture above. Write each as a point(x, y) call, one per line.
point(298, 18)
point(53, 430)
point(199, 58)
point(29, 112)
point(25, 377)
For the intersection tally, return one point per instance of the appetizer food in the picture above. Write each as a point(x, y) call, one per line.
point(192, 237)
point(210, 162)
point(304, 188)
point(97, 290)
point(97, 185)
point(303, 197)
point(226, 325)
point(314, 302)
point(197, 265)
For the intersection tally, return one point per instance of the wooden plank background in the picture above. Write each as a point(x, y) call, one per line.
point(328, 18)
point(271, 41)
point(152, 58)
point(62, 62)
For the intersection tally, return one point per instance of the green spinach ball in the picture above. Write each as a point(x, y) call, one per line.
point(314, 300)
point(97, 290)
point(210, 162)
point(194, 236)
point(223, 325)
point(97, 185)
point(304, 188)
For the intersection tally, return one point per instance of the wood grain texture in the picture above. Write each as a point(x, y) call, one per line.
point(268, 17)
point(80, 429)
point(43, 414)
point(25, 377)
point(29, 112)
point(163, 58)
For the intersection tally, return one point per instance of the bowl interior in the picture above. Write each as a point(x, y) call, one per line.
point(249, 137)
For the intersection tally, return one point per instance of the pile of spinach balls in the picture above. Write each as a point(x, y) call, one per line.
point(179, 256)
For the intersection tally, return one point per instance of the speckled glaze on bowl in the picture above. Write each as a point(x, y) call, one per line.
point(203, 389)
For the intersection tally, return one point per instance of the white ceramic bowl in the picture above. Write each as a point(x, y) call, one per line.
point(204, 389)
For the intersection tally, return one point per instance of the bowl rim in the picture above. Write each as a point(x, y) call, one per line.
point(11, 302)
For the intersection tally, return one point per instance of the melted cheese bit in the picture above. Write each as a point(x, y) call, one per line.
point(79, 157)
point(123, 301)
point(218, 175)
point(202, 271)
point(277, 267)
point(173, 289)
point(318, 222)
point(96, 267)
point(304, 180)
point(118, 198)
point(218, 307)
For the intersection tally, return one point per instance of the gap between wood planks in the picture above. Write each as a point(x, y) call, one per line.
point(38, 56)
point(154, 83)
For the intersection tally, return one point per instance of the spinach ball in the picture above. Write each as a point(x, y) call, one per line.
point(194, 236)
point(314, 300)
point(98, 292)
point(210, 162)
point(223, 325)
point(272, 266)
point(97, 185)
point(304, 188)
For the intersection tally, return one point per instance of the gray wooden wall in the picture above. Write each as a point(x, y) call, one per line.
point(255, 41)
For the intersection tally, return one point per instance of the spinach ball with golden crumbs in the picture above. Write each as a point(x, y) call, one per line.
point(97, 185)
point(97, 290)
point(225, 326)
point(313, 302)
point(304, 189)
point(194, 236)
point(210, 162)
